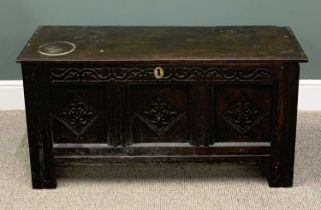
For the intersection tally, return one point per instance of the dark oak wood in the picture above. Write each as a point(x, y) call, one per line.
point(239, 43)
point(221, 94)
point(36, 91)
point(283, 146)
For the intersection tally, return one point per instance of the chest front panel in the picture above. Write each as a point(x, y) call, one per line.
point(188, 105)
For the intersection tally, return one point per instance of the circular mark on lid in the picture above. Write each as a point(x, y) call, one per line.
point(57, 48)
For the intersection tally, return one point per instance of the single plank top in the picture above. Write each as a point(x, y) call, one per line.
point(144, 44)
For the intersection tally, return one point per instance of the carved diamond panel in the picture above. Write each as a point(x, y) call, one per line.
point(242, 114)
point(78, 115)
point(159, 114)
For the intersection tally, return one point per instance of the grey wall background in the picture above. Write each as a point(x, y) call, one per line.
point(19, 19)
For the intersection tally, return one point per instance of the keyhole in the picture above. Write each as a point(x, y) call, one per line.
point(158, 72)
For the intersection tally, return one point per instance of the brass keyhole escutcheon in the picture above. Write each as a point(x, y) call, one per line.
point(159, 72)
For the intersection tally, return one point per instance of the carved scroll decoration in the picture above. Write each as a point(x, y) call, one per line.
point(174, 73)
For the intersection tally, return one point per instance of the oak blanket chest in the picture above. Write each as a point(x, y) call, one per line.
point(97, 95)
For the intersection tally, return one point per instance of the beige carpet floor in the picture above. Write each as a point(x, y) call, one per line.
point(166, 186)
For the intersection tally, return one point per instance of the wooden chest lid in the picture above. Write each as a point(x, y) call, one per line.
point(159, 44)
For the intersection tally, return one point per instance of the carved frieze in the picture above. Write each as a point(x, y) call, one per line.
point(173, 73)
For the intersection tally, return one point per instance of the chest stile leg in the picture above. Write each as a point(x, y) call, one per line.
point(36, 90)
